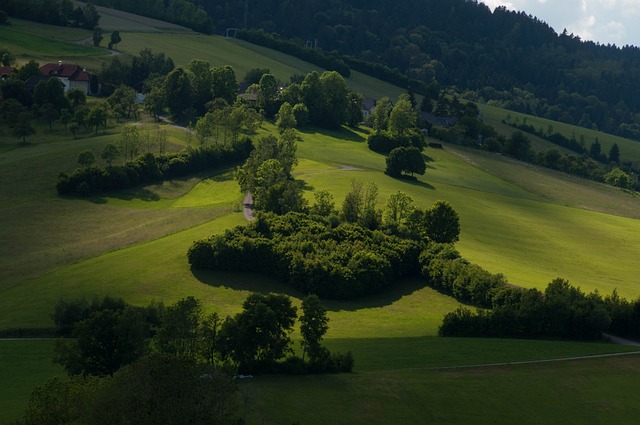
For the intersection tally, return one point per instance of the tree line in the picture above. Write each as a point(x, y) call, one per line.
point(561, 311)
point(146, 168)
point(53, 12)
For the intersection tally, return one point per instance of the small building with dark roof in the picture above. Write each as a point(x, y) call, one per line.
point(72, 76)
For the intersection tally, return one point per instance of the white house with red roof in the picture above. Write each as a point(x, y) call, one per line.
point(72, 76)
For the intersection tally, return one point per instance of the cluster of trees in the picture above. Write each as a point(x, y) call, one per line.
point(396, 134)
point(267, 174)
point(53, 12)
point(174, 364)
point(48, 103)
point(562, 311)
point(149, 167)
point(594, 151)
point(153, 389)
point(133, 73)
point(335, 254)
point(108, 334)
point(344, 262)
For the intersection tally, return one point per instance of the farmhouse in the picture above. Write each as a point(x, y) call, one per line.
point(6, 71)
point(72, 76)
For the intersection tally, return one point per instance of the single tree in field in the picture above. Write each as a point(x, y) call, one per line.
point(97, 117)
point(405, 160)
point(115, 39)
point(23, 127)
point(49, 113)
point(314, 323)
point(86, 158)
point(97, 36)
point(442, 224)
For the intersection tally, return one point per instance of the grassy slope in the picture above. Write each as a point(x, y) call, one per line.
point(629, 149)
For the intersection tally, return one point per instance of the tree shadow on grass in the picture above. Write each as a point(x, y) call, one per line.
point(344, 133)
point(412, 180)
point(142, 194)
point(256, 282)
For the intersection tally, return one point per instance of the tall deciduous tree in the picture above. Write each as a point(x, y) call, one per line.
point(314, 323)
point(104, 342)
point(179, 90)
point(405, 160)
point(97, 36)
point(285, 118)
point(129, 142)
point(268, 94)
point(23, 127)
point(260, 334)
point(202, 82)
point(178, 335)
point(403, 118)
point(399, 207)
point(224, 83)
point(442, 223)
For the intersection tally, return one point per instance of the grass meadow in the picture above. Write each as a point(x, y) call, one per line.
point(529, 223)
point(629, 149)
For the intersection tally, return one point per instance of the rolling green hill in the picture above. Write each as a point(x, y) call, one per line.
point(529, 223)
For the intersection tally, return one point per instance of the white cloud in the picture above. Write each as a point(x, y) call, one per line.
point(605, 21)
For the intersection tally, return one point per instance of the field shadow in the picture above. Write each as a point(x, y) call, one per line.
point(245, 281)
point(256, 282)
point(343, 133)
point(141, 194)
point(412, 180)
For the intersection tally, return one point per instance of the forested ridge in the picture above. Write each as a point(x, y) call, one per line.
point(510, 58)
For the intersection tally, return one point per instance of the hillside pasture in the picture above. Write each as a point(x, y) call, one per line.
point(34, 41)
point(506, 228)
point(629, 149)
